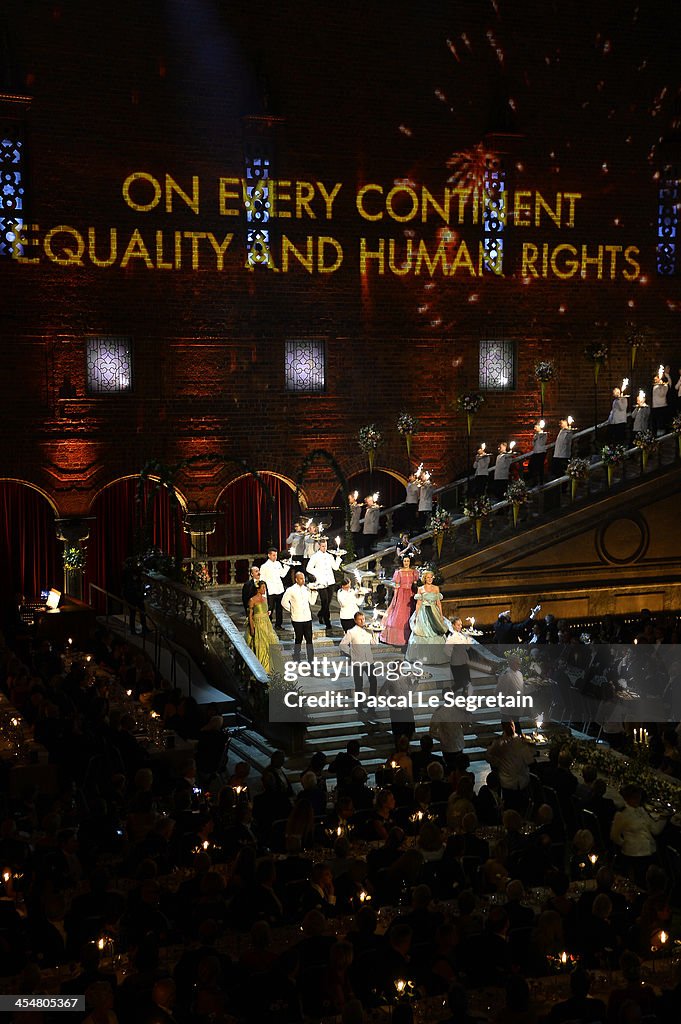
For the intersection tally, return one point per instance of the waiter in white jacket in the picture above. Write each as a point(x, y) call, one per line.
point(356, 645)
point(322, 566)
point(273, 572)
point(297, 601)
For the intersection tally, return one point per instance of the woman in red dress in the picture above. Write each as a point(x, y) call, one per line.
point(396, 629)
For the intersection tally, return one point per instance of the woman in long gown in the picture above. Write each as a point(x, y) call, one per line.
point(428, 626)
point(396, 628)
point(260, 635)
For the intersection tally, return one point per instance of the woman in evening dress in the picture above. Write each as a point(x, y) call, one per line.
point(396, 628)
point(260, 635)
point(429, 628)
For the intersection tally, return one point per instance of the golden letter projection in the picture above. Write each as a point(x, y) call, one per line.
point(439, 232)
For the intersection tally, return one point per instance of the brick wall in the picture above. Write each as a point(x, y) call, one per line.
point(365, 94)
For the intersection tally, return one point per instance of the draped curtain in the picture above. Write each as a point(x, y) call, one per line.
point(243, 525)
point(30, 555)
point(113, 534)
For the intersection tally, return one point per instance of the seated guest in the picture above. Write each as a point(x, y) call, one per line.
point(440, 790)
point(495, 874)
point(314, 792)
point(487, 957)
point(344, 764)
point(315, 946)
point(473, 845)
point(519, 916)
point(460, 803)
point(457, 1003)
point(633, 990)
point(319, 893)
point(581, 867)
point(489, 801)
point(359, 791)
point(421, 917)
point(599, 940)
point(579, 1006)
point(589, 776)
point(548, 939)
point(422, 757)
point(381, 822)
point(604, 883)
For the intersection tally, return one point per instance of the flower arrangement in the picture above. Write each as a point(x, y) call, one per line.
point(74, 557)
point(430, 567)
point(440, 523)
point(620, 770)
point(195, 575)
point(516, 494)
point(613, 454)
point(156, 560)
point(478, 508)
point(407, 424)
point(676, 426)
point(577, 469)
point(369, 437)
point(470, 402)
point(544, 370)
point(596, 352)
point(646, 441)
point(636, 339)
point(524, 657)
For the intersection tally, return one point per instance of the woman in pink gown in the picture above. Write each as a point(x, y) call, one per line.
point(396, 629)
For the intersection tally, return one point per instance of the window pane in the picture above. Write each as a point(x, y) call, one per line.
point(305, 365)
point(497, 365)
point(109, 365)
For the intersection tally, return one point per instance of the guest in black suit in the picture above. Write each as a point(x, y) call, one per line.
point(250, 587)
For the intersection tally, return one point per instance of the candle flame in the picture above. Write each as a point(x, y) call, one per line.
point(660, 370)
point(375, 496)
point(663, 937)
point(563, 958)
point(641, 396)
point(570, 420)
point(542, 424)
point(512, 444)
point(540, 721)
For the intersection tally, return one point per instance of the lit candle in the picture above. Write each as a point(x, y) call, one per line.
point(128, 693)
point(355, 495)
point(400, 986)
point(542, 424)
point(625, 382)
point(660, 370)
point(663, 937)
point(6, 875)
point(641, 396)
point(364, 897)
point(570, 421)
point(512, 445)
point(337, 543)
point(100, 944)
point(375, 496)
point(593, 857)
point(563, 958)
point(70, 642)
point(540, 722)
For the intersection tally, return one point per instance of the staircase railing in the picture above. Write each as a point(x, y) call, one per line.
point(634, 466)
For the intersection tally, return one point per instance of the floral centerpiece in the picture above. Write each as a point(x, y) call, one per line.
point(636, 339)
point(195, 575)
point(156, 560)
point(516, 494)
point(74, 557)
point(544, 371)
point(577, 469)
point(478, 509)
point(431, 567)
point(369, 439)
point(676, 429)
point(648, 444)
point(440, 523)
point(407, 425)
point(469, 403)
point(612, 455)
point(597, 354)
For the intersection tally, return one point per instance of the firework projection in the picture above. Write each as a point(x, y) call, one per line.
point(525, 200)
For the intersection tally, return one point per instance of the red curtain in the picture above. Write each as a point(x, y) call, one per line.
point(113, 534)
point(243, 526)
point(30, 558)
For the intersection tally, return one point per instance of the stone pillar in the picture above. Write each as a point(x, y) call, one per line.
point(199, 526)
point(74, 534)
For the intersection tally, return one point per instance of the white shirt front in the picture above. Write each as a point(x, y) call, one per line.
point(443, 728)
point(634, 830)
point(502, 466)
point(512, 758)
point(355, 516)
point(563, 445)
point(660, 395)
point(356, 644)
point(297, 601)
point(456, 639)
point(273, 572)
point(322, 565)
point(295, 543)
point(481, 465)
point(412, 494)
point(619, 410)
point(426, 498)
point(372, 519)
point(310, 544)
point(641, 418)
point(349, 605)
point(539, 441)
